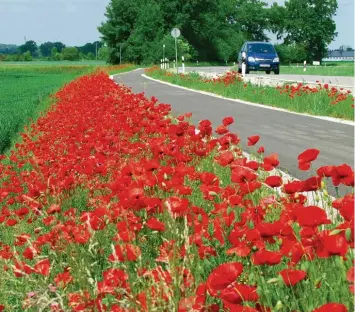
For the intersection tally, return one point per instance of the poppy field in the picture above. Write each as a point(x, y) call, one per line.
point(320, 100)
point(110, 203)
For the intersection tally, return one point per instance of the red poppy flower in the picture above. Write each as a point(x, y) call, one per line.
point(305, 158)
point(252, 140)
point(331, 245)
point(240, 251)
point(266, 257)
point(223, 276)
point(42, 267)
point(63, 279)
point(270, 162)
point(261, 150)
point(331, 307)
point(311, 216)
point(292, 277)
point(155, 225)
point(273, 181)
point(325, 171)
point(294, 187)
point(221, 130)
point(242, 174)
point(225, 158)
point(343, 174)
point(177, 205)
point(237, 293)
point(227, 121)
point(312, 184)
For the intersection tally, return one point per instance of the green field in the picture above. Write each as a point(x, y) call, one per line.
point(57, 63)
point(25, 89)
point(324, 70)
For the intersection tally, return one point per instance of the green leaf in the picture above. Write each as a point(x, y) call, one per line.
point(273, 280)
point(335, 232)
point(348, 234)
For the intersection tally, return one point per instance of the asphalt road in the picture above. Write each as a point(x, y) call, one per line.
point(283, 133)
point(347, 82)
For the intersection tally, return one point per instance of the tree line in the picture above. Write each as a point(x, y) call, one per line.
point(215, 30)
point(53, 51)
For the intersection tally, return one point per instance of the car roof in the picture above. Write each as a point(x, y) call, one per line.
point(259, 42)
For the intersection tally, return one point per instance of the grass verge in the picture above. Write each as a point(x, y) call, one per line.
point(319, 101)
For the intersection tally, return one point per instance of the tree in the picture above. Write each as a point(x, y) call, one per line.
point(60, 46)
point(252, 18)
point(46, 48)
point(310, 22)
point(103, 53)
point(30, 46)
point(8, 48)
point(71, 54)
point(139, 27)
point(90, 56)
point(276, 16)
point(90, 47)
point(27, 56)
point(292, 53)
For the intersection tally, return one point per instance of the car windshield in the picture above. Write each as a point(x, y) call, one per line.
point(261, 48)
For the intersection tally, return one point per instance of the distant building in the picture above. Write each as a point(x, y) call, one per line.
point(341, 55)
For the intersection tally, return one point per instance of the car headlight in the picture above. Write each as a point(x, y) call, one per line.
point(276, 60)
point(251, 59)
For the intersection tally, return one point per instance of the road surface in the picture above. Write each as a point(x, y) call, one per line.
point(347, 82)
point(283, 133)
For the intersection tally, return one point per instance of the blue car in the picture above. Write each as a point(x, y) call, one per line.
point(260, 56)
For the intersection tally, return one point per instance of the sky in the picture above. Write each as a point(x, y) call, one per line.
point(74, 22)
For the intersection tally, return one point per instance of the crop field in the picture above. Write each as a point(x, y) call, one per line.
point(56, 63)
point(24, 93)
point(321, 100)
point(110, 203)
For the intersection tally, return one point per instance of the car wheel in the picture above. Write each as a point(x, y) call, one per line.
point(268, 72)
point(277, 72)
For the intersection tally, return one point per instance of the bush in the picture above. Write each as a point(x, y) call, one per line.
point(293, 53)
point(71, 54)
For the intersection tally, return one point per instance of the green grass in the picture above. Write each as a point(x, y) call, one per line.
point(318, 103)
point(25, 89)
point(56, 63)
point(341, 70)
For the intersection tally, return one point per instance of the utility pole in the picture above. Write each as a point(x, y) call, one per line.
point(96, 50)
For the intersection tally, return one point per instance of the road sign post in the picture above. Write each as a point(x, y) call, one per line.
point(176, 33)
point(164, 66)
point(244, 66)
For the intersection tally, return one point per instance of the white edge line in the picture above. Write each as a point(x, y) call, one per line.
point(311, 197)
point(119, 74)
point(331, 119)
